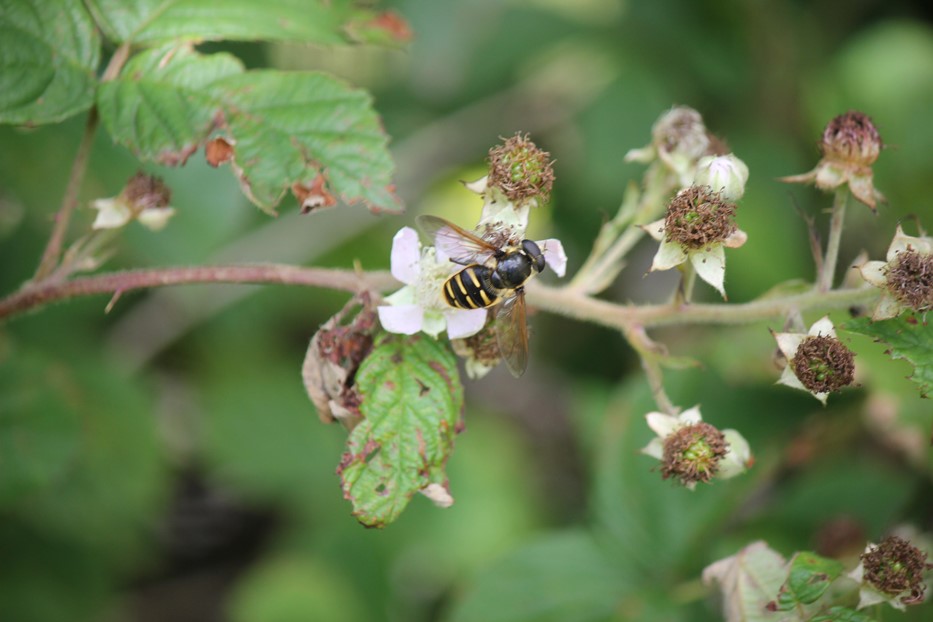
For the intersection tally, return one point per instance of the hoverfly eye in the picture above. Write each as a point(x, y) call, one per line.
point(534, 253)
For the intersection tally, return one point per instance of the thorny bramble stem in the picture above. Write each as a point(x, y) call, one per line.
point(53, 248)
point(39, 294)
point(650, 352)
point(825, 278)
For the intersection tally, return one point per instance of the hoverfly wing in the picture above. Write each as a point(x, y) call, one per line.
point(512, 333)
point(459, 244)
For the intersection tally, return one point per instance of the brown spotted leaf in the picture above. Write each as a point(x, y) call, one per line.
point(411, 402)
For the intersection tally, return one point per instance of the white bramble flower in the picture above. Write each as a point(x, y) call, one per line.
point(892, 572)
point(694, 451)
point(698, 227)
point(144, 198)
point(419, 306)
point(678, 140)
point(817, 362)
point(905, 278)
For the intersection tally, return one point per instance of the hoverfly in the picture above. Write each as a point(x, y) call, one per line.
point(493, 274)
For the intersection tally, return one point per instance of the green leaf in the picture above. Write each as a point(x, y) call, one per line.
point(289, 127)
point(564, 577)
point(285, 128)
point(810, 576)
point(152, 22)
point(842, 614)
point(49, 52)
point(749, 580)
point(909, 338)
point(161, 107)
point(411, 400)
point(38, 432)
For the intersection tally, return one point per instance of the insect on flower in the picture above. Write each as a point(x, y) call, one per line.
point(494, 273)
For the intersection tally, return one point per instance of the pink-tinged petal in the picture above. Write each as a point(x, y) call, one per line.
point(669, 255)
point(406, 256)
point(661, 424)
point(655, 449)
point(690, 416)
point(887, 307)
point(655, 229)
point(822, 327)
point(464, 322)
point(438, 494)
point(736, 239)
point(554, 255)
point(788, 343)
point(874, 272)
point(710, 265)
point(402, 319)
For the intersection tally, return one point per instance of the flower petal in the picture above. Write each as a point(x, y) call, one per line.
point(887, 307)
point(434, 322)
point(655, 449)
point(788, 343)
point(737, 458)
point(464, 322)
point(111, 214)
point(710, 265)
point(155, 218)
point(789, 379)
point(822, 327)
point(736, 239)
point(554, 255)
point(661, 424)
point(690, 416)
point(669, 255)
point(401, 319)
point(874, 272)
point(406, 256)
point(655, 229)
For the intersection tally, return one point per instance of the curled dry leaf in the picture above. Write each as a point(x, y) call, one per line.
point(218, 151)
point(333, 356)
point(314, 195)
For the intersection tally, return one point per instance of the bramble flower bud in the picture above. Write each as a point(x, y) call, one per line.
point(851, 139)
point(816, 362)
point(891, 571)
point(906, 278)
point(699, 223)
point(678, 139)
point(693, 451)
point(726, 175)
point(144, 198)
point(850, 145)
point(521, 170)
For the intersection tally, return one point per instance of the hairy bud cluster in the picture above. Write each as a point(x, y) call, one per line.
point(851, 138)
point(823, 364)
point(693, 452)
point(910, 279)
point(894, 566)
point(698, 217)
point(521, 170)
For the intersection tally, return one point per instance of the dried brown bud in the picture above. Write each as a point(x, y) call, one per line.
point(851, 139)
point(910, 279)
point(144, 191)
point(823, 364)
point(692, 453)
point(894, 566)
point(697, 217)
point(521, 170)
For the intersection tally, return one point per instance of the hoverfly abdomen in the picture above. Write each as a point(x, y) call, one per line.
point(470, 288)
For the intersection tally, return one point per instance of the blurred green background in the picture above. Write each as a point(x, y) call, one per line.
point(162, 462)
